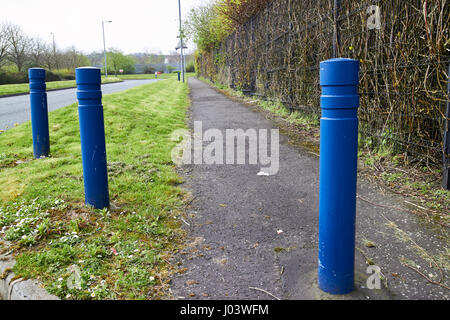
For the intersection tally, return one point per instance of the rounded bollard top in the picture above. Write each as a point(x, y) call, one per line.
point(88, 75)
point(339, 72)
point(36, 74)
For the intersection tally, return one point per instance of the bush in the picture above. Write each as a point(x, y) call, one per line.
point(50, 76)
point(7, 77)
point(13, 77)
point(64, 74)
point(190, 67)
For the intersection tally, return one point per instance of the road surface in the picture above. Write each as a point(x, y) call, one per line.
point(17, 109)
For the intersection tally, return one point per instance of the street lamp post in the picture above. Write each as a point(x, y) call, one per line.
point(181, 40)
point(181, 46)
point(104, 47)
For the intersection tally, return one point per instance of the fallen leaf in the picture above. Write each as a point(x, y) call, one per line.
point(370, 244)
point(182, 270)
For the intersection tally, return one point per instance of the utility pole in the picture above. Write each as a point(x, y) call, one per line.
point(104, 47)
point(54, 50)
point(336, 35)
point(181, 41)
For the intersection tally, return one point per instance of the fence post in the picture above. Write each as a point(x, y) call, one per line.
point(446, 154)
point(338, 164)
point(336, 33)
point(92, 133)
point(39, 113)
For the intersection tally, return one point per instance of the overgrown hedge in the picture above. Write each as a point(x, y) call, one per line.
point(403, 80)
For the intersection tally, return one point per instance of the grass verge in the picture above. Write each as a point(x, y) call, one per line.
point(7, 89)
point(120, 253)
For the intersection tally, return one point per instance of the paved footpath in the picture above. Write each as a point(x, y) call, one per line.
point(235, 250)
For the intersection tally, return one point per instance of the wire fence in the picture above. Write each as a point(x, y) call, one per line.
point(403, 47)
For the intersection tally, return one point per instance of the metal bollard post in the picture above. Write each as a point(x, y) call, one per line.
point(339, 79)
point(178, 75)
point(39, 113)
point(92, 133)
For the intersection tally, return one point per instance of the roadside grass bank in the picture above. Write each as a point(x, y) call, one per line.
point(419, 184)
point(7, 89)
point(152, 76)
point(81, 253)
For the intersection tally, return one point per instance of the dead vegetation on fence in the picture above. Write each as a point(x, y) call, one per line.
point(275, 54)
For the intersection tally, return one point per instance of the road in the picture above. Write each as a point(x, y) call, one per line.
point(17, 109)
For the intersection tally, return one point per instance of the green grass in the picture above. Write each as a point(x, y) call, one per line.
point(51, 85)
point(152, 76)
point(121, 252)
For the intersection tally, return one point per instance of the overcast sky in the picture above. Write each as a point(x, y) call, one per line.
point(137, 25)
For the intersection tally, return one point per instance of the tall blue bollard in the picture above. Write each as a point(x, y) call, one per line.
point(92, 133)
point(39, 113)
point(338, 164)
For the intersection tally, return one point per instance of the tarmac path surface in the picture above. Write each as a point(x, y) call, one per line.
point(253, 236)
point(16, 109)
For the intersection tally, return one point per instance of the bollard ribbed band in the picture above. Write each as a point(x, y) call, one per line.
point(37, 79)
point(339, 80)
point(88, 81)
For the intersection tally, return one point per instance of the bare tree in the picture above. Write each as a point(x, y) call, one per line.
point(48, 57)
point(38, 51)
point(19, 45)
point(71, 58)
point(4, 44)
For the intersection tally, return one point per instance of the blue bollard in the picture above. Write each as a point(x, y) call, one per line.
point(39, 113)
point(178, 75)
point(92, 133)
point(339, 79)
